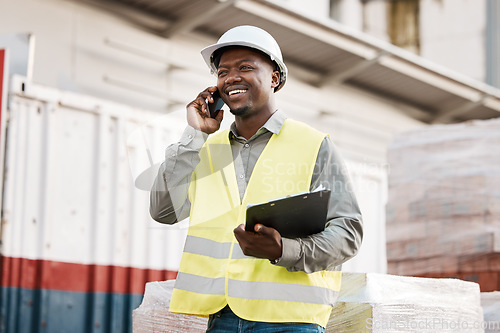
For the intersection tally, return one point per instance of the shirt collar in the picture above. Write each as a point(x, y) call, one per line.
point(273, 125)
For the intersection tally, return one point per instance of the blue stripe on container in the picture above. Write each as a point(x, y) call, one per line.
point(40, 310)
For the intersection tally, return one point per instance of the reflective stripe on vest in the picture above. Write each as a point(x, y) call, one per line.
point(256, 290)
point(200, 284)
point(238, 253)
point(281, 292)
point(213, 249)
point(214, 271)
point(207, 247)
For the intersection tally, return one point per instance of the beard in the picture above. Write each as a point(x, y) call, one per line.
point(239, 112)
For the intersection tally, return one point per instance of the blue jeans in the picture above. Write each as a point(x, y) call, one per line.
point(226, 321)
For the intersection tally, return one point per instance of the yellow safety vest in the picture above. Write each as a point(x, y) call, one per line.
point(214, 271)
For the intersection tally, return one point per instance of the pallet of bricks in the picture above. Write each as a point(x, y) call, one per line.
point(443, 211)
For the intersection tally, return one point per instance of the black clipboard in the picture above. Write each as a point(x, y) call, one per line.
point(295, 216)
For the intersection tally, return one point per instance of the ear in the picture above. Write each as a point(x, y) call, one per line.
point(275, 79)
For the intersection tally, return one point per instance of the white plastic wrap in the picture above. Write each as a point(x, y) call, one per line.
point(491, 309)
point(367, 303)
point(153, 315)
point(389, 303)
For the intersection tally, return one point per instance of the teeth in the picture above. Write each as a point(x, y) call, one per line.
point(236, 92)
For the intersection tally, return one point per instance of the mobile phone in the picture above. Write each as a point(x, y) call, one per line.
point(218, 103)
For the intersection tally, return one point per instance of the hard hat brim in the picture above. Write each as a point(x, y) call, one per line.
point(208, 51)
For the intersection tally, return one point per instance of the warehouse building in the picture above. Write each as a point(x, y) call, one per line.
point(96, 90)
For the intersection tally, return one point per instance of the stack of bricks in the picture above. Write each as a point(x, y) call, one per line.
point(443, 211)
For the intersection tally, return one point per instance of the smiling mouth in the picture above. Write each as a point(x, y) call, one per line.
point(235, 92)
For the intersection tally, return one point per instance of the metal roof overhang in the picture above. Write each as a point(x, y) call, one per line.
point(333, 54)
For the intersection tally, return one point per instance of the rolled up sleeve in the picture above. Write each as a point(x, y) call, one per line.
point(169, 195)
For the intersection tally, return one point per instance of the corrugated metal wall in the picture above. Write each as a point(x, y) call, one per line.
point(78, 244)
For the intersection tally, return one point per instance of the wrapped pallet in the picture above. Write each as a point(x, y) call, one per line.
point(389, 303)
point(367, 303)
point(153, 315)
point(443, 211)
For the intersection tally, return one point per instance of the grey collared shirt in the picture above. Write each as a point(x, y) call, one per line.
point(343, 233)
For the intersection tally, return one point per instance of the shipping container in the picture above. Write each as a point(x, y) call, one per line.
point(78, 244)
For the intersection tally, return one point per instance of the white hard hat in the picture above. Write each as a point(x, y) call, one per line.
point(252, 37)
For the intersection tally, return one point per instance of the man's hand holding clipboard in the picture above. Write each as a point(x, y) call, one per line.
point(295, 216)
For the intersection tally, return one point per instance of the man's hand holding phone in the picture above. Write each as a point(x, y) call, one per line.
point(198, 111)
